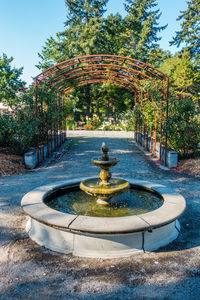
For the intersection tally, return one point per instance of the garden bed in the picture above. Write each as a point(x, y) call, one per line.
point(190, 166)
point(11, 164)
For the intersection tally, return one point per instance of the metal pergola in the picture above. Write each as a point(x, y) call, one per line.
point(141, 79)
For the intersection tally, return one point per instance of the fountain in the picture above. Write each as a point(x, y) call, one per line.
point(107, 187)
point(103, 217)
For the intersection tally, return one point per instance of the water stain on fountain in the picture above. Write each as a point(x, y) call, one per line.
point(107, 187)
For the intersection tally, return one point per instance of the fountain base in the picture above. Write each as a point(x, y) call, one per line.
point(104, 246)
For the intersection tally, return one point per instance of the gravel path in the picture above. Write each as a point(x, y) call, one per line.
point(28, 271)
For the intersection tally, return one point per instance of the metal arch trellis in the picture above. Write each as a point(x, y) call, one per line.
point(107, 76)
point(146, 83)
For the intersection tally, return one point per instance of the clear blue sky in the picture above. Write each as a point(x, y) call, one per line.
point(26, 24)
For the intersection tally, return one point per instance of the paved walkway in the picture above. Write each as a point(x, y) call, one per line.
point(28, 271)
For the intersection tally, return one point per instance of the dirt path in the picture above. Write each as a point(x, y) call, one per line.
point(28, 271)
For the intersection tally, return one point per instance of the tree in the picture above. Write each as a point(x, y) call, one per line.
point(53, 53)
point(83, 11)
point(169, 64)
point(82, 35)
point(157, 56)
point(10, 81)
point(84, 26)
point(190, 29)
point(116, 100)
point(186, 78)
point(142, 28)
point(184, 75)
point(112, 31)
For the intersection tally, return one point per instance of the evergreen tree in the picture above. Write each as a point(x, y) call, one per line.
point(87, 32)
point(184, 76)
point(53, 53)
point(82, 35)
point(112, 32)
point(190, 29)
point(157, 56)
point(84, 24)
point(169, 64)
point(142, 28)
point(82, 11)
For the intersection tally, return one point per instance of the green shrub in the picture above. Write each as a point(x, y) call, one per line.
point(18, 130)
point(127, 121)
point(183, 126)
point(107, 127)
point(8, 127)
point(95, 121)
point(70, 123)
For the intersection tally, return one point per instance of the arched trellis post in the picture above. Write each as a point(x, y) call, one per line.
point(55, 82)
point(36, 114)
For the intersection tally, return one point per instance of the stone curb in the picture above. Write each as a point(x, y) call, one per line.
point(172, 208)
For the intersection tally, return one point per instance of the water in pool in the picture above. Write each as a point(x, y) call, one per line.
point(131, 202)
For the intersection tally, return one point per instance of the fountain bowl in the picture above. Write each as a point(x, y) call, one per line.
point(116, 187)
point(106, 165)
point(102, 237)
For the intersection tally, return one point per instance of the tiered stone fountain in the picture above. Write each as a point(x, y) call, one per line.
point(103, 217)
point(107, 187)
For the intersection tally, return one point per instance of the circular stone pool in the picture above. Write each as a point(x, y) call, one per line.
point(107, 237)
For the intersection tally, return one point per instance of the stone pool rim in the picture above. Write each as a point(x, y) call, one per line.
point(172, 208)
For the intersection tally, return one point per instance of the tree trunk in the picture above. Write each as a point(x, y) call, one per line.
point(97, 108)
point(108, 110)
point(88, 97)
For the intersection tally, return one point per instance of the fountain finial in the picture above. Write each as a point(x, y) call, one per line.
point(105, 150)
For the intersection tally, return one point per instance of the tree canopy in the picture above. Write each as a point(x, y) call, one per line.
point(142, 21)
point(190, 29)
point(10, 81)
point(88, 32)
point(83, 11)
